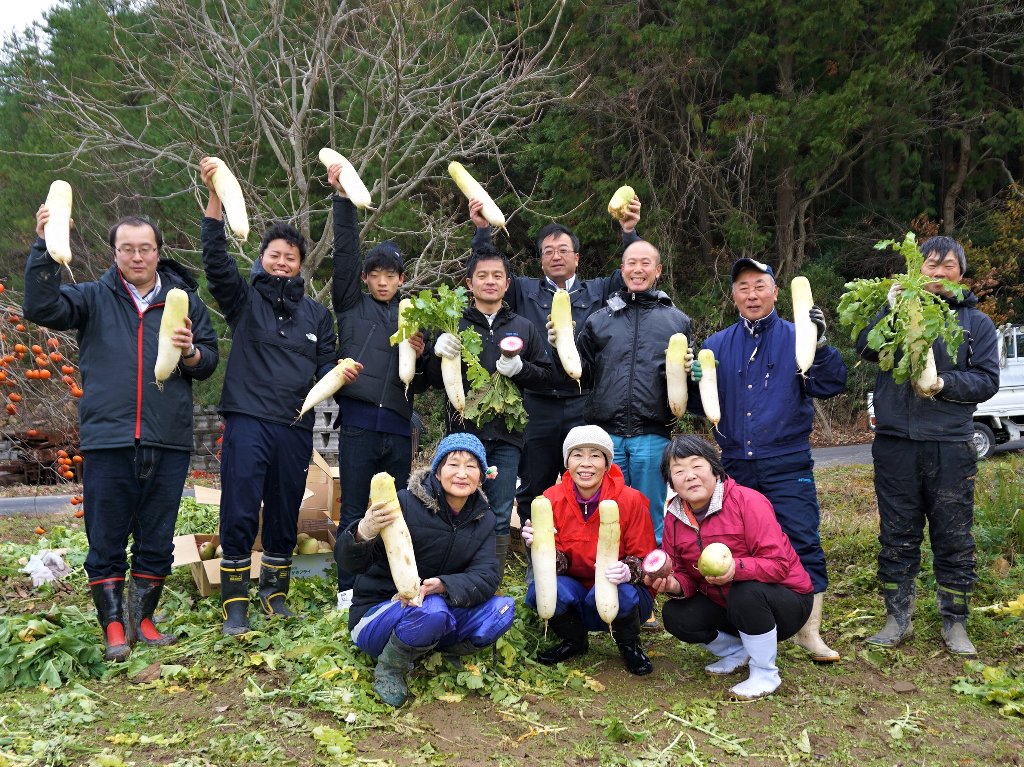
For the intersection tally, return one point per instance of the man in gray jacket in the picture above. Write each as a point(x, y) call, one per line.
point(925, 462)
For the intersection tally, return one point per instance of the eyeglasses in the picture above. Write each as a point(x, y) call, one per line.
point(562, 251)
point(130, 251)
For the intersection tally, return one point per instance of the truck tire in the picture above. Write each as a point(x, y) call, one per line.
point(984, 440)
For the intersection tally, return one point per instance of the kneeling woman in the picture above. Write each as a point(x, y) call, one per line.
point(766, 595)
point(590, 478)
point(452, 529)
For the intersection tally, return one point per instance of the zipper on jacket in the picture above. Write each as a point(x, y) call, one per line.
point(632, 369)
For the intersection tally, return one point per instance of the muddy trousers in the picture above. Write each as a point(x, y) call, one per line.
point(918, 482)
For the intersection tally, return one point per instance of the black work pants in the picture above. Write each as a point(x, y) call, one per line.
point(918, 482)
point(752, 607)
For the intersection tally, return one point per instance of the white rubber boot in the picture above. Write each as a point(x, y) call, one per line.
point(809, 638)
point(731, 654)
point(764, 674)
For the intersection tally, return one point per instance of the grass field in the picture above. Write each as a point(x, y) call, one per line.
point(298, 692)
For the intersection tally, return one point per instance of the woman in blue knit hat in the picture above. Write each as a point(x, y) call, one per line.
point(452, 529)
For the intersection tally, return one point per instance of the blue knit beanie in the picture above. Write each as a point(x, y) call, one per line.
point(459, 441)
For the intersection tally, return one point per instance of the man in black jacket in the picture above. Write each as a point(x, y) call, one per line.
point(282, 340)
point(136, 440)
point(487, 279)
point(622, 348)
point(556, 406)
point(376, 412)
point(925, 462)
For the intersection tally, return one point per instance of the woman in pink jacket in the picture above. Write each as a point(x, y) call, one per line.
point(766, 595)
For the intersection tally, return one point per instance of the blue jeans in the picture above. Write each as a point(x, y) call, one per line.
point(573, 595)
point(363, 453)
point(433, 623)
point(640, 461)
point(132, 491)
point(501, 491)
point(263, 462)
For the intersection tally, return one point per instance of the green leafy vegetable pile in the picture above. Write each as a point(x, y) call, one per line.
point(490, 395)
point(49, 648)
point(903, 335)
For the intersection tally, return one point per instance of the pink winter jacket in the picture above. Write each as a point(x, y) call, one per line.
point(747, 525)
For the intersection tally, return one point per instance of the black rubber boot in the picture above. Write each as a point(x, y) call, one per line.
point(899, 607)
point(570, 629)
point(275, 577)
point(143, 596)
point(954, 608)
point(626, 631)
point(234, 595)
point(501, 550)
point(394, 661)
point(454, 652)
point(108, 596)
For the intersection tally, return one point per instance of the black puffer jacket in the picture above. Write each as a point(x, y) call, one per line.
point(121, 403)
point(972, 378)
point(365, 325)
point(457, 548)
point(281, 340)
point(623, 352)
point(535, 373)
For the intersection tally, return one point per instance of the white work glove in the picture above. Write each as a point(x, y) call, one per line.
point(509, 366)
point(377, 517)
point(688, 361)
point(56, 564)
point(894, 293)
point(448, 346)
point(617, 573)
point(526, 533)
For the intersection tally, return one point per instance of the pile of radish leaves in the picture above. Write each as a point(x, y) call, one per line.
point(903, 336)
point(490, 395)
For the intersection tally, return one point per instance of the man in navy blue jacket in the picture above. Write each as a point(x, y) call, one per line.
point(281, 341)
point(136, 439)
point(767, 417)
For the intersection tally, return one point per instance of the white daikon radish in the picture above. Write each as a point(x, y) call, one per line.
point(354, 187)
point(230, 193)
point(326, 386)
point(473, 191)
point(168, 355)
point(451, 375)
point(406, 354)
point(397, 540)
point(675, 373)
point(606, 593)
point(806, 331)
point(929, 377)
point(709, 386)
point(565, 343)
point(57, 231)
point(543, 556)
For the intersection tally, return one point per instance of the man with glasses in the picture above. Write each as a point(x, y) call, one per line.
point(135, 438)
point(557, 407)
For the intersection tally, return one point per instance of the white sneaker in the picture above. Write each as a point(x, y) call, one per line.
point(344, 599)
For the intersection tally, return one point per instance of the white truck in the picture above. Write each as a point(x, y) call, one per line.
point(1000, 419)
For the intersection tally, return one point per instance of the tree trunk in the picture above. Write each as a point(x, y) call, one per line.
point(957, 184)
point(785, 219)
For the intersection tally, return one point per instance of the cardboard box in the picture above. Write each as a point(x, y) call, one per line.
point(313, 565)
point(324, 502)
point(211, 497)
point(205, 574)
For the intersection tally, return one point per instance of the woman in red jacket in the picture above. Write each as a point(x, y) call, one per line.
point(590, 478)
point(766, 595)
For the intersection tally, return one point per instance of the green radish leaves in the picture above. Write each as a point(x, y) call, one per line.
point(902, 336)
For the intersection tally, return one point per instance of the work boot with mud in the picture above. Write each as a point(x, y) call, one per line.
point(954, 607)
point(899, 608)
point(108, 596)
